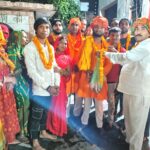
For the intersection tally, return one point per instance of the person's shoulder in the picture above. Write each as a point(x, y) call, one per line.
point(30, 46)
point(145, 42)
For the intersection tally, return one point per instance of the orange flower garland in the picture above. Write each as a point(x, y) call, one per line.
point(4, 56)
point(102, 50)
point(128, 41)
point(75, 44)
point(54, 37)
point(47, 63)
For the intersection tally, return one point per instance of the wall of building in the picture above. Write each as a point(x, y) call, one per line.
point(104, 4)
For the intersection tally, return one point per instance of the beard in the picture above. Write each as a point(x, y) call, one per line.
point(124, 31)
point(57, 32)
point(97, 34)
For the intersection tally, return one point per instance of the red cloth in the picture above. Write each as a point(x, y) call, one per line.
point(101, 21)
point(113, 76)
point(5, 31)
point(56, 119)
point(8, 111)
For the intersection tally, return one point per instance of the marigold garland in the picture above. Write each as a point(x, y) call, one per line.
point(75, 45)
point(128, 42)
point(4, 56)
point(47, 63)
point(54, 37)
point(98, 75)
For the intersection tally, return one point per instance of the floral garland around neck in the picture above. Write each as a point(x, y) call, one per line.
point(118, 47)
point(98, 76)
point(75, 45)
point(128, 41)
point(54, 37)
point(5, 57)
point(47, 63)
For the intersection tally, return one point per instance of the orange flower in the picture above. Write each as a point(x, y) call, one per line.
point(104, 46)
point(47, 63)
point(4, 56)
point(128, 41)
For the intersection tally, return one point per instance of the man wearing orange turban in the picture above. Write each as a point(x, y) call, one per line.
point(134, 83)
point(94, 68)
point(75, 44)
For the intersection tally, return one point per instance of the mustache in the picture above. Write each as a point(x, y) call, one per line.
point(138, 35)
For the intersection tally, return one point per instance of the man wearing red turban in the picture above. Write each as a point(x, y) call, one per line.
point(94, 68)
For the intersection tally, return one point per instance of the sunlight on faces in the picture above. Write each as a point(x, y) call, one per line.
point(141, 33)
point(57, 28)
point(98, 30)
point(74, 28)
point(43, 31)
point(124, 26)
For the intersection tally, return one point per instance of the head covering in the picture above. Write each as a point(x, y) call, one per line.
point(53, 22)
point(15, 40)
point(142, 21)
point(2, 39)
point(40, 21)
point(56, 43)
point(101, 21)
point(74, 20)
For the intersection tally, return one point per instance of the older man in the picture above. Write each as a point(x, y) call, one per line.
point(134, 83)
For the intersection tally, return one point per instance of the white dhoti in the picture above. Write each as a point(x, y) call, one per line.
point(136, 110)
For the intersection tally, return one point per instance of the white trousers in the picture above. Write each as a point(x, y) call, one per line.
point(136, 110)
point(77, 106)
point(98, 112)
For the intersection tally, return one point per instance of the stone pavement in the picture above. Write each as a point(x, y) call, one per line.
point(87, 138)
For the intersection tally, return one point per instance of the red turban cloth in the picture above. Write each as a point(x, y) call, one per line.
point(100, 21)
point(74, 20)
point(142, 21)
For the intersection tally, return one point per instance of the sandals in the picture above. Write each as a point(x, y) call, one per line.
point(38, 147)
point(14, 142)
point(53, 137)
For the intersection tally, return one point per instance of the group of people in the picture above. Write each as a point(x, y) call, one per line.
point(95, 63)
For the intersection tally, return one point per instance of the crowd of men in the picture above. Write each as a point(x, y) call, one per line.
point(93, 63)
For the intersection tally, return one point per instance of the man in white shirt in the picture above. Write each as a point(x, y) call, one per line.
point(134, 83)
point(40, 63)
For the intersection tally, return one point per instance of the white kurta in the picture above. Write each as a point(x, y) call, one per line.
point(135, 73)
point(41, 77)
point(134, 82)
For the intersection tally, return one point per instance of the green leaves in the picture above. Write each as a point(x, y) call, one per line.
point(66, 9)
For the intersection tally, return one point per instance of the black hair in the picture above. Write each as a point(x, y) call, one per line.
point(124, 19)
point(53, 22)
point(114, 30)
point(40, 21)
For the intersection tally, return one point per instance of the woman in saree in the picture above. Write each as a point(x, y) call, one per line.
point(56, 120)
point(21, 89)
point(8, 112)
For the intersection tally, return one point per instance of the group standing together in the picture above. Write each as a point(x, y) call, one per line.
point(95, 63)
